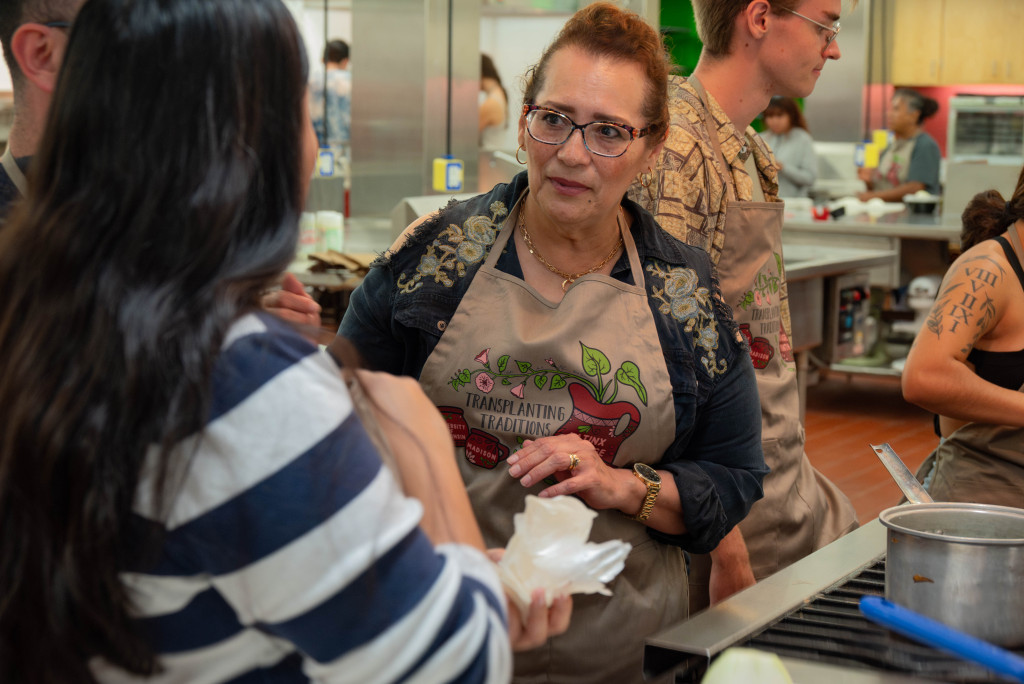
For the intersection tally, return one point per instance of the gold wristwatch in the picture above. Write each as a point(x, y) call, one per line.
point(649, 476)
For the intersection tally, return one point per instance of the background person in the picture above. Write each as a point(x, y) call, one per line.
point(33, 34)
point(493, 107)
point(184, 485)
point(911, 162)
point(566, 338)
point(331, 106)
point(791, 143)
point(715, 187)
point(967, 362)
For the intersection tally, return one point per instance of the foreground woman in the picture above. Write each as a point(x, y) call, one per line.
point(967, 363)
point(576, 348)
point(185, 488)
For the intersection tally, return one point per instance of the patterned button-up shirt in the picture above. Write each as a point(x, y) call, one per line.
point(689, 191)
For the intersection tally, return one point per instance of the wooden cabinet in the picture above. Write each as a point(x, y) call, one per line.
point(947, 42)
point(917, 34)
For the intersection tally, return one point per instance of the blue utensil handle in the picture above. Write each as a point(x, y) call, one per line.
point(944, 637)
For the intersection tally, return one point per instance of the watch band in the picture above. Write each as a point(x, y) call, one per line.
point(652, 493)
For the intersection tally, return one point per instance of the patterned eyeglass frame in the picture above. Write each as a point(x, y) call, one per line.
point(634, 133)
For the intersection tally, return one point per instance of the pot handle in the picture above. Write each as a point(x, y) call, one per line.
point(905, 479)
point(937, 635)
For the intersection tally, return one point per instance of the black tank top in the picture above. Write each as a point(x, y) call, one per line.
point(1005, 369)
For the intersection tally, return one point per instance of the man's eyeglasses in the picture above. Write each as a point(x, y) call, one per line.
point(830, 31)
point(56, 24)
point(603, 138)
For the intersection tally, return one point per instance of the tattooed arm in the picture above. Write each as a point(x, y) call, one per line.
point(978, 305)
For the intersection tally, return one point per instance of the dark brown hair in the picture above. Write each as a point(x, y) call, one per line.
point(604, 30)
point(789, 107)
point(988, 215)
point(925, 106)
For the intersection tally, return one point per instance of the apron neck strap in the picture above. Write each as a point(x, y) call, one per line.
point(713, 134)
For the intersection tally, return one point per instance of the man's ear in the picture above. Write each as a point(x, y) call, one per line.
point(39, 51)
point(755, 17)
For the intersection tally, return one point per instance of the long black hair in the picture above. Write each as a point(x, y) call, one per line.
point(163, 200)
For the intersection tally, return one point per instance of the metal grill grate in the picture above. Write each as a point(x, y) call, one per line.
point(830, 629)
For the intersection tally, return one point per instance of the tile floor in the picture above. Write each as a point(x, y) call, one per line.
point(846, 414)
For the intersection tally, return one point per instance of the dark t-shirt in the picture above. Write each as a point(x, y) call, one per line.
point(8, 190)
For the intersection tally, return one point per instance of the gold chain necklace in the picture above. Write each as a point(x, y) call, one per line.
point(570, 278)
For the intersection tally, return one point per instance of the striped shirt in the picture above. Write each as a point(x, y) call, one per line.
point(289, 553)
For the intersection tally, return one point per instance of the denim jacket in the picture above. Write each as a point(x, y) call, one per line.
point(403, 306)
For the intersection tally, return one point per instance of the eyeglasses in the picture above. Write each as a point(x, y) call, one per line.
point(830, 31)
point(603, 138)
point(57, 24)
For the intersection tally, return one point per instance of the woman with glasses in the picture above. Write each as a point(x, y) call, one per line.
point(911, 162)
point(577, 349)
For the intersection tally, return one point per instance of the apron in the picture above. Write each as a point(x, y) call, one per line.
point(14, 171)
point(513, 366)
point(801, 510)
point(894, 165)
point(979, 462)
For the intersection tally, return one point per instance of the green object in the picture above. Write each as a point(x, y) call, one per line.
point(680, 31)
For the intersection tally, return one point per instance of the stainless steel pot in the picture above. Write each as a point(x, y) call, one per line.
point(961, 564)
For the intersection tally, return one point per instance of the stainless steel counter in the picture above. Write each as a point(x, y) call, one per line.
point(921, 242)
point(808, 269)
point(899, 225)
point(806, 261)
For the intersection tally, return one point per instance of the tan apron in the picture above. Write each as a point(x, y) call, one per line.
point(801, 509)
point(513, 366)
point(979, 462)
point(14, 171)
point(895, 164)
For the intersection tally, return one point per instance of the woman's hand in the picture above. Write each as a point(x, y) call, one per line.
point(293, 303)
point(598, 484)
point(541, 622)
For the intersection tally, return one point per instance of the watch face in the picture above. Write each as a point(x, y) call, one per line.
point(647, 472)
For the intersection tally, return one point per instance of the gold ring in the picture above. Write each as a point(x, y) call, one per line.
point(574, 462)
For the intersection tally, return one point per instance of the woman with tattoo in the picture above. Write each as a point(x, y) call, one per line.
point(967, 363)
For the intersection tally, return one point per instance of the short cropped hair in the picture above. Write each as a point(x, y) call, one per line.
point(336, 51)
point(717, 18)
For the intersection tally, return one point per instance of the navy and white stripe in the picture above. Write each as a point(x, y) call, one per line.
point(289, 553)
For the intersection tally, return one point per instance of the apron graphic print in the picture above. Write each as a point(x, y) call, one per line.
point(596, 413)
point(765, 298)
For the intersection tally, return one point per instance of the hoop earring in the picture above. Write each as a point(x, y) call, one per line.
point(650, 178)
point(521, 161)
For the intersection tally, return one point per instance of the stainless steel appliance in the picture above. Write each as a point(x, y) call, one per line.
point(846, 316)
point(985, 128)
point(807, 613)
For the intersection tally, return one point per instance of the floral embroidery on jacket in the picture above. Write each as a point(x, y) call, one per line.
point(683, 299)
point(455, 249)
